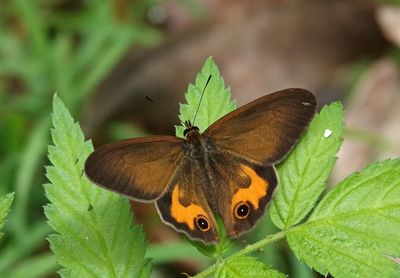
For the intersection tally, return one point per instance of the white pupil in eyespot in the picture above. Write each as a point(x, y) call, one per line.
point(242, 210)
point(202, 223)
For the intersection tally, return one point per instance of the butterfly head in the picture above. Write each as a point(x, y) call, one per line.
point(190, 130)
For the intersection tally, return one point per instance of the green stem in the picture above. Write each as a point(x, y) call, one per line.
point(247, 250)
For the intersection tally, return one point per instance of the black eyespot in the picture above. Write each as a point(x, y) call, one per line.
point(242, 210)
point(202, 223)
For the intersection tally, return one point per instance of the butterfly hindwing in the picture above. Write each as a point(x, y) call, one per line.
point(264, 130)
point(140, 168)
point(243, 189)
point(220, 188)
point(186, 202)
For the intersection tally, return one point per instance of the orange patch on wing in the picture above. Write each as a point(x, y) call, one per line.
point(184, 214)
point(258, 188)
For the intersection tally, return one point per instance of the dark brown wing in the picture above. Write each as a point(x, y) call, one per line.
point(185, 206)
point(243, 189)
point(140, 168)
point(263, 131)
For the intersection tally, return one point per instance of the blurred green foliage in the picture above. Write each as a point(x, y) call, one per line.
point(47, 47)
point(68, 47)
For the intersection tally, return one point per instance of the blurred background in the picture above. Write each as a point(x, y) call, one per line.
point(103, 57)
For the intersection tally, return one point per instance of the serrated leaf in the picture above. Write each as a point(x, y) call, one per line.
point(95, 236)
point(303, 174)
point(244, 266)
point(5, 204)
point(354, 231)
point(216, 101)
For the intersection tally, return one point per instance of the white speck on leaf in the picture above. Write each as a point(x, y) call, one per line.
point(327, 133)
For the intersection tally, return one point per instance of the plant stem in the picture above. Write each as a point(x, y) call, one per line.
point(247, 250)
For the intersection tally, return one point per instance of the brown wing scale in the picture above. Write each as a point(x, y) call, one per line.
point(140, 168)
point(185, 205)
point(240, 184)
point(263, 131)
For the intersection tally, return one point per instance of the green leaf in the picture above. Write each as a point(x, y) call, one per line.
point(304, 173)
point(95, 236)
point(244, 266)
point(145, 268)
point(5, 204)
point(354, 230)
point(216, 101)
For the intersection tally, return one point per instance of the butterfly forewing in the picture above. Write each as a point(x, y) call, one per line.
point(264, 131)
point(140, 168)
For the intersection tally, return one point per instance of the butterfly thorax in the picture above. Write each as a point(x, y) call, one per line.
point(197, 145)
point(193, 140)
point(191, 131)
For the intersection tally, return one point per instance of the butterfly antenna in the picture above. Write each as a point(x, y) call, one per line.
point(161, 106)
point(201, 98)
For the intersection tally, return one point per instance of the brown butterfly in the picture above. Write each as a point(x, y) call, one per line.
point(227, 170)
